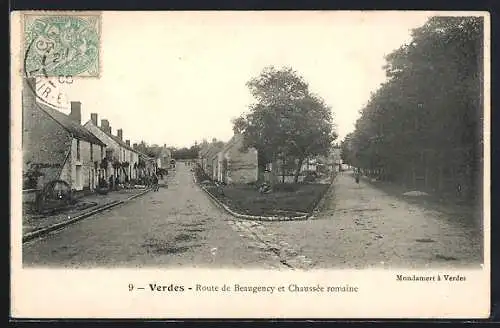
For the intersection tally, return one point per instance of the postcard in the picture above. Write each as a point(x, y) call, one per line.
point(250, 164)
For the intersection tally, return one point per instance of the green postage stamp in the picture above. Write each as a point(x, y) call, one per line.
point(62, 44)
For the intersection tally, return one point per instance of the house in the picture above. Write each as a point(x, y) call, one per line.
point(146, 165)
point(208, 158)
point(56, 146)
point(330, 162)
point(163, 157)
point(310, 164)
point(212, 160)
point(284, 172)
point(235, 164)
point(322, 164)
point(121, 159)
point(202, 156)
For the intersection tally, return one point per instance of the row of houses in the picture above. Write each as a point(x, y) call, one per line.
point(57, 146)
point(231, 163)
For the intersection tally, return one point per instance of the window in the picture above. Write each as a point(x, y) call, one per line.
point(77, 150)
point(102, 152)
point(91, 153)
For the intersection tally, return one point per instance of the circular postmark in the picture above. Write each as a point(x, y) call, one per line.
point(48, 90)
point(64, 45)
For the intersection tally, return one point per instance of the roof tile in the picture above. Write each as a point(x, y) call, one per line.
point(76, 130)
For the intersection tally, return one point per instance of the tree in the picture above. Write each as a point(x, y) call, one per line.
point(186, 153)
point(346, 150)
point(239, 125)
point(426, 118)
point(145, 148)
point(287, 122)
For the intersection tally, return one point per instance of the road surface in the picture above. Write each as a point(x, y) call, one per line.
point(179, 226)
point(176, 226)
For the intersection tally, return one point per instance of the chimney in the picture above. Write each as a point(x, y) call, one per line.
point(164, 145)
point(134, 146)
point(93, 118)
point(127, 142)
point(119, 132)
point(104, 125)
point(76, 112)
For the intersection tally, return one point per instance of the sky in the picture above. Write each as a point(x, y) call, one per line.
point(179, 77)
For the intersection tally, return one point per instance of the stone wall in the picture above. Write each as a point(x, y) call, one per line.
point(45, 142)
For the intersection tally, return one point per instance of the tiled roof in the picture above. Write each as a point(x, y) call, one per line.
point(160, 152)
point(147, 157)
point(144, 155)
point(204, 150)
point(236, 138)
point(213, 150)
point(119, 142)
point(76, 130)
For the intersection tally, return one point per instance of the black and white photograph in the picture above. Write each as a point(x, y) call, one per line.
point(273, 141)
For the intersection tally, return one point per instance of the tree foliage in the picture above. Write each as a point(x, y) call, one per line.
point(426, 119)
point(287, 121)
point(146, 149)
point(190, 153)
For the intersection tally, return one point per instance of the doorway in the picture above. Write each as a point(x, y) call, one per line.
point(78, 177)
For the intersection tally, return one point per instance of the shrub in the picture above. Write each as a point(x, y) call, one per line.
point(103, 183)
point(310, 176)
point(30, 177)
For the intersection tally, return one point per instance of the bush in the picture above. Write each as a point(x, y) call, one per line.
point(103, 183)
point(30, 177)
point(103, 187)
point(310, 172)
point(310, 176)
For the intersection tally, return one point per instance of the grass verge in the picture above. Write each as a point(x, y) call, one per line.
point(284, 200)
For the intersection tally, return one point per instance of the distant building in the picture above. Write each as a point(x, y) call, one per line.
point(209, 159)
point(332, 161)
point(235, 164)
point(212, 160)
point(202, 156)
point(323, 164)
point(163, 158)
point(148, 165)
